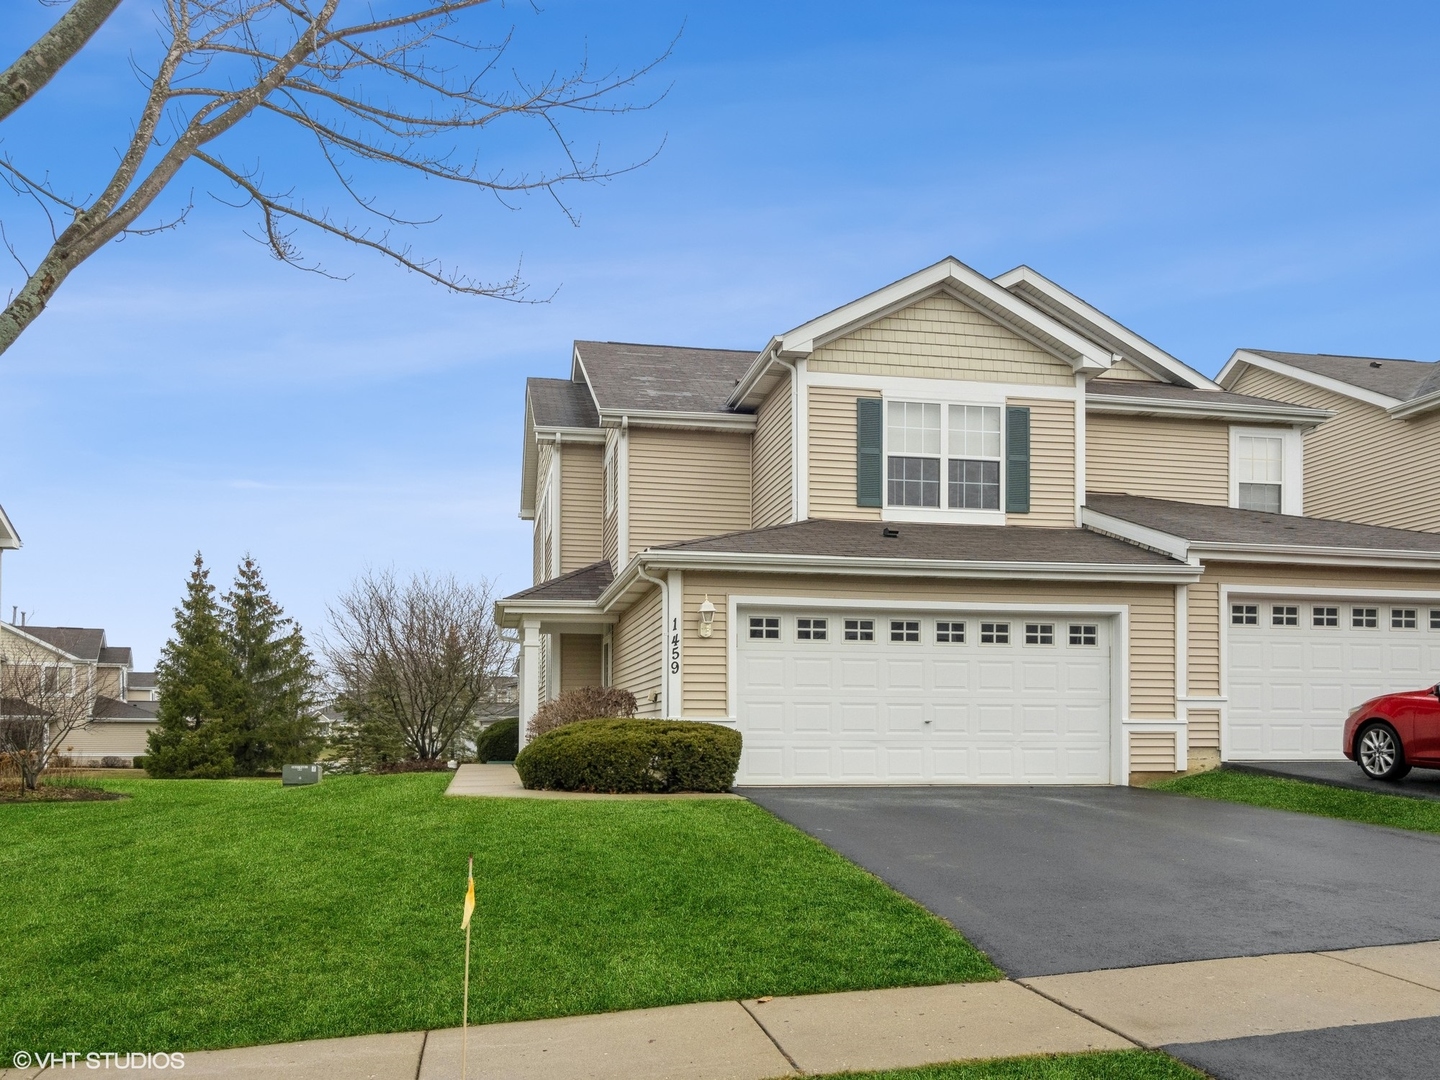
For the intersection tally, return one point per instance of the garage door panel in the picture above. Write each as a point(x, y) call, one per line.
point(927, 711)
point(1290, 688)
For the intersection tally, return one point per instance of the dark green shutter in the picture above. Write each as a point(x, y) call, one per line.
point(1017, 459)
point(869, 473)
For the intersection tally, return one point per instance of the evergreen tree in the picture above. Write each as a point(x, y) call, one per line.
point(198, 690)
point(275, 715)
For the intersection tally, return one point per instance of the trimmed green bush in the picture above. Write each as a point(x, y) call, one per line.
point(499, 742)
point(623, 756)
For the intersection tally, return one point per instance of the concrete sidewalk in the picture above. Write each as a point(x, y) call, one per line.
point(1158, 1006)
point(503, 782)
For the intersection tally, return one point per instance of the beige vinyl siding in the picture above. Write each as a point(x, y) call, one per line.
point(1152, 624)
point(832, 455)
point(610, 532)
point(1158, 457)
point(772, 469)
point(1202, 637)
point(1152, 751)
point(1052, 465)
point(107, 681)
point(638, 645)
point(1124, 370)
point(941, 338)
point(107, 739)
point(542, 476)
point(579, 661)
point(1352, 460)
point(686, 484)
point(582, 502)
point(1203, 730)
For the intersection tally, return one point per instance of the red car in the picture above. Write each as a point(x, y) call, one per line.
point(1390, 734)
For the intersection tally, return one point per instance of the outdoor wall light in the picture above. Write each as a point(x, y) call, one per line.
point(707, 616)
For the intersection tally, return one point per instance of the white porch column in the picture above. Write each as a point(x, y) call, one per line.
point(674, 638)
point(529, 673)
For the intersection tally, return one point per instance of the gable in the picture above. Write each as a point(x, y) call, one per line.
point(939, 337)
point(1125, 371)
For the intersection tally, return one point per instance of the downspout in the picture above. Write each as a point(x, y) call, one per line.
point(664, 622)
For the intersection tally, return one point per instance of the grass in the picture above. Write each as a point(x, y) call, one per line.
point(1109, 1065)
point(1227, 785)
point(203, 914)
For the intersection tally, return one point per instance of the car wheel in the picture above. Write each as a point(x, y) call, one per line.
point(1380, 754)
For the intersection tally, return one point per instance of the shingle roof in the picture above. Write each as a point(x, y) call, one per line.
point(78, 641)
point(1223, 525)
point(115, 654)
point(136, 712)
point(1402, 379)
point(956, 543)
point(1135, 388)
point(587, 583)
point(662, 378)
point(141, 680)
point(561, 403)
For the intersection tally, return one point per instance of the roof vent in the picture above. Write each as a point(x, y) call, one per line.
point(890, 533)
point(1374, 363)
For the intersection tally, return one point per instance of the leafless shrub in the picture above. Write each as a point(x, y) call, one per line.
point(584, 703)
point(41, 703)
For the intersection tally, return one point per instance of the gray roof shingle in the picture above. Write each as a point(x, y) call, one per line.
point(1167, 392)
point(141, 680)
point(79, 641)
point(561, 403)
point(662, 378)
point(115, 654)
point(954, 543)
point(135, 712)
point(1224, 525)
point(1401, 379)
point(587, 583)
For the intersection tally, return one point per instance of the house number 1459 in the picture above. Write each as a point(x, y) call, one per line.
point(675, 646)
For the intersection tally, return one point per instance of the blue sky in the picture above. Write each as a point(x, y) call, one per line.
point(1214, 175)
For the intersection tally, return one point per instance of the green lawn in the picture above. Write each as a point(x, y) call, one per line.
point(1111, 1065)
point(200, 914)
point(1228, 785)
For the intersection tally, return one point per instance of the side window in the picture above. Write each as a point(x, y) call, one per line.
point(1244, 614)
point(994, 633)
point(904, 629)
point(811, 629)
point(859, 629)
point(1364, 618)
point(912, 453)
point(765, 627)
point(950, 633)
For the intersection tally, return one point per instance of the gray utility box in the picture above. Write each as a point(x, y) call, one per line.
point(300, 774)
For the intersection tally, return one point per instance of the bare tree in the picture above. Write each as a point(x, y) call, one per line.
point(415, 659)
point(38, 64)
point(406, 87)
point(41, 703)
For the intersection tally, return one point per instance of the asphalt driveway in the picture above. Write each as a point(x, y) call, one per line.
point(1054, 880)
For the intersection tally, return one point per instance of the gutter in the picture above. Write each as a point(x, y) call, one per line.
point(680, 419)
point(1114, 403)
point(1407, 409)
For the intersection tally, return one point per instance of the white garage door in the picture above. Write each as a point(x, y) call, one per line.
point(866, 697)
point(1297, 667)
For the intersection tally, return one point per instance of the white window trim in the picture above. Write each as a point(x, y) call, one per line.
point(1292, 447)
point(977, 394)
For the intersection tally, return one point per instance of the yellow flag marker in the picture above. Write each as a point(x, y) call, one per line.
point(465, 925)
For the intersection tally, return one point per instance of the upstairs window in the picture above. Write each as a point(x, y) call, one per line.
point(974, 463)
point(912, 462)
point(1260, 468)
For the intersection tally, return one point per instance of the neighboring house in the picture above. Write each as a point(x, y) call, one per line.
point(1386, 427)
point(960, 530)
point(119, 724)
point(140, 686)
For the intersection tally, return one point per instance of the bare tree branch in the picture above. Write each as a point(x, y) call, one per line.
point(38, 64)
point(375, 94)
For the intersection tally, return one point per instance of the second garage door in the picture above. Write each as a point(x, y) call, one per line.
point(865, 697)
point(1296, 667)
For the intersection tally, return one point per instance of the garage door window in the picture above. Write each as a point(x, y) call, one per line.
point(1365, 618)
point(1244, 614)
point(1325, 616)
point(953, 633)
point(1435, 618)
point(994, 633)
point(1282, 615)
point(1402, 618)
point(1084, 634)
point(1039, 633)
point(764, 628)
point(905, 630)
point(859, 629)
point(812, 629)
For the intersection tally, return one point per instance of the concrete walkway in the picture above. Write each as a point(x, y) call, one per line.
point(1167, 1005)
point(503, 782)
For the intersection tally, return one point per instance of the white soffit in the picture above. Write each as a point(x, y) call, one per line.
point(9, 538)
point(1242, 358)
point(1068, 308)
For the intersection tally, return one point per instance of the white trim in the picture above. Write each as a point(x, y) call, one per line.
point(1415, 406)
point(622, 513)
point(1177, 547)
point(960, 390)
point(528, 671)
point(802, 440)
point(1182, 641)
point(1230, 372)
point(1080, 436)
point(1119, 661)
point(685, 420)
point(944, 515)
point(553, 570)
point(552, 665)
point(673, 644)
point(10, 541)
point(570, 434)
point(1292, 464)
point(1203, 410)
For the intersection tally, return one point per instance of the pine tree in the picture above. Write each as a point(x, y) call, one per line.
point(275, 716)
point(197, 687)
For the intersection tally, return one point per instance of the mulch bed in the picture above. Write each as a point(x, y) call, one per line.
point(60, 794)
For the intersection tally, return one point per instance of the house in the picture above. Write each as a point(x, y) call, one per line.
point(118, 723)
point(1386, 417)
point(141, 686)
point(959, 530)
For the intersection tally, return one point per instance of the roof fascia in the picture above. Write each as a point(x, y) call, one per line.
point(1146, 352)
point(1317, 556)
point(529, 463)
point(569, 434)
point(967, 285)
point(510, 612)
point(11, 540)
point(945, 568)
point(1233, 367)
point(1415, 406)
point(707, 421)
point(1140, 406)
point(1177, 547)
